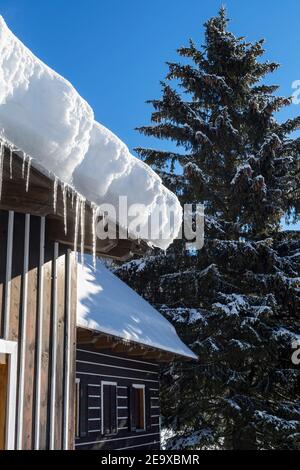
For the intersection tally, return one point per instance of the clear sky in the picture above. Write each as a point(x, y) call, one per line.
point(114, 51)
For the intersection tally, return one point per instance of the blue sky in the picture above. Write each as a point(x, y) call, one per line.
point(114, 51)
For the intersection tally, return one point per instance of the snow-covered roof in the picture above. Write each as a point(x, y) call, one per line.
point(42, 114)
point(106, 304)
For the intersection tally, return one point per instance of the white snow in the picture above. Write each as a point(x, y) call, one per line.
point(43, 115)
point(108, 305)
point(184, 314)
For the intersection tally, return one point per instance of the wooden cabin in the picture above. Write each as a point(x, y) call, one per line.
point(121, 341)
point(72, 371)
point(109, 398)
point(38, 308)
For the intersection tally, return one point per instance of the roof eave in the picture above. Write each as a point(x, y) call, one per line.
point(101, 340)
point(38, 200)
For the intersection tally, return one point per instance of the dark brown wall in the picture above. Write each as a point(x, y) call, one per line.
point(38, 311)
point(94, 366)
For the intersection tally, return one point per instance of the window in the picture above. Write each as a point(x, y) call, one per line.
point(109, 408)
point(138, 419)
point(77, 408)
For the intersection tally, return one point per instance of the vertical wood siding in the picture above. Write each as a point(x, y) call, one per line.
point(38, 310)
point(93, 367)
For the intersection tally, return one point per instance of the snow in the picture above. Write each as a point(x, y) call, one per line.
point(42, 114)
point(283, 333)
point(185, 315)
point(108, 305)
point(244, 169)
point(191, 440)
point(278, 424)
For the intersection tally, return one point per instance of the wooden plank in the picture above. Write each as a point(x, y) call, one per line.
point(30, 350)
point(45, 349)
point(9, 251)
point(67, 352)
point(119, 442)
point(103, 369)
point(113, 360)
point(73, 307)
point(61, 270)
point(39, 334)
point(53, 347)
point(3, 249)
point(16, 276)
point(22, 335)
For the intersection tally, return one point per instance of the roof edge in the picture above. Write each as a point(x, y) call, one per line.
point(129, 342)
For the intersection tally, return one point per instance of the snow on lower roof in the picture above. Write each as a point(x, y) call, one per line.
point(106, 304)
point(43, 115)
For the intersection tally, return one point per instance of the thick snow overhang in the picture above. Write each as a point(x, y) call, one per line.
point(106, 306)
point(66, 221)
point(43, 115)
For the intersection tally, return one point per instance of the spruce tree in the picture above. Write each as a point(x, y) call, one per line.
point(237, 301)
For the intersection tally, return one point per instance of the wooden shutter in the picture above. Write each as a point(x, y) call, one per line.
point(106, 408)
point(113, 409)
point(109, 412)
point(83, 410)
point(132, 418)
point(148, 408)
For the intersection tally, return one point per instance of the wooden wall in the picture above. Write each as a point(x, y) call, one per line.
point(38, 311)
point(94, 366)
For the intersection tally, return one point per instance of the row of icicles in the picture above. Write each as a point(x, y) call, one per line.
point(67, 192)
point(26, 160)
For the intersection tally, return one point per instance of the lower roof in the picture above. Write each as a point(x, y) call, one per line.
point(107, 305)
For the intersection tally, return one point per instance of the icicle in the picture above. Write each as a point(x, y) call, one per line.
point(72, 197)
point(10, 163)
point(82, 222)
point(55, 193)
point(77, 217)
point(28, 173)
point(64, 192)
point(23, 165)
point(94, 220)
point(1, 166)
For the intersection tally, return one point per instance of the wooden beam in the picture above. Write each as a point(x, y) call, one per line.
point(84, 336)
point(105, 343)
point(129, 348)
point(121, 346)
point(137, 352)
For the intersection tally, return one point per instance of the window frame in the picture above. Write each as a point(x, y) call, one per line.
point(115, 384)
point(141, 387)
point(11, 349)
